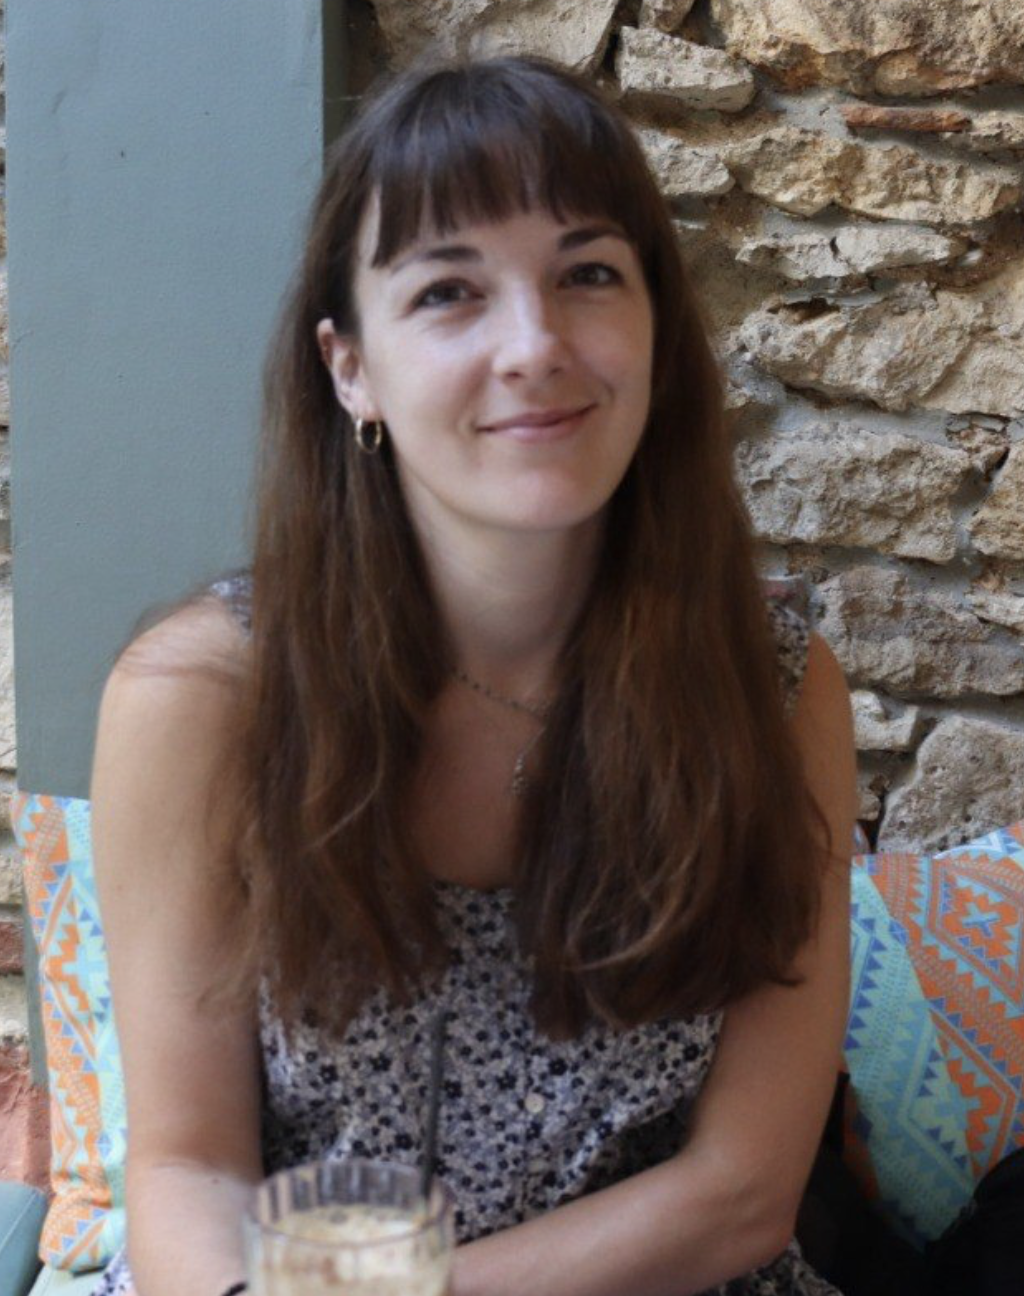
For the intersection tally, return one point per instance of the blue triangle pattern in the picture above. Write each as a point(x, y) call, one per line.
point(914, 1118)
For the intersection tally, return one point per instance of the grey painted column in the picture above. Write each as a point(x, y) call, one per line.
point(160, 160)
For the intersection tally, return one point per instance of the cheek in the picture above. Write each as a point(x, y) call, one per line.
point(625, 349)
point(424, 381)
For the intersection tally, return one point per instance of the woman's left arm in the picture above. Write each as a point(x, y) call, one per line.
point(727, 1203)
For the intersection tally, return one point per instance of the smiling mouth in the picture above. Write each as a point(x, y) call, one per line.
point(547, 425)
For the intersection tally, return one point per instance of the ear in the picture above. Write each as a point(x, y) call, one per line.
point(344, 363)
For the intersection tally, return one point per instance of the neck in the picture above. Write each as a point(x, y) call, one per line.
point(509, 599)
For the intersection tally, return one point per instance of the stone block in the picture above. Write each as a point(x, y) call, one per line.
point(948, 349)
point(8, 786)
point(12, 958)
point(986, 446)
point(797, 257)
point(913, 48)
point(10, 871)
point(889, 635)
point(1000, 607)
point(843, 485)
point(666, 15)
point(869, 804)
point(804, 172)
point(574, 35)
point(747, 389)
point(968, 779)
point(881, 727)
point(872, 249)
point(929, 121)
point(849, 254)
point(683, 170)
point(994, 132)
point(997, 528)
point(24, 1120)
point(667, 71)
point(13, 1011)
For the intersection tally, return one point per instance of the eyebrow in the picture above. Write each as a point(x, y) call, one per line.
point(454, 253)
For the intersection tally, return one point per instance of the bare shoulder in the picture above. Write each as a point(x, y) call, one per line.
point(195, 652)
point(822, 725)
point(169, 701)
point(202, 635)
point(824, 697)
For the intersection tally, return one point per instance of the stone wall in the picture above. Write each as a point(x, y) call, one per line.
point(847, 181)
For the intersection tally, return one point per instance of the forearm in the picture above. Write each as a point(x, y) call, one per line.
point(184, 1229)
point(664, 1232)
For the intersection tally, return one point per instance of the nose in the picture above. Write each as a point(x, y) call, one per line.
point(530, 338)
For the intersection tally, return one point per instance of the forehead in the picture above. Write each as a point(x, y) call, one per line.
point(483, 187)
point(430, 233)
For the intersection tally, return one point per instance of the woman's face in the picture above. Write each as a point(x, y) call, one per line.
point(511, 363)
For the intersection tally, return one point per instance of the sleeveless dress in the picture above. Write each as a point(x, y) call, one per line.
point(526, 1123)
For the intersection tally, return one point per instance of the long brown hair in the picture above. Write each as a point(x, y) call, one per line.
point(668, 859)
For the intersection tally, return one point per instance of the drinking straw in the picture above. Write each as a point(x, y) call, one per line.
point(429, 1167)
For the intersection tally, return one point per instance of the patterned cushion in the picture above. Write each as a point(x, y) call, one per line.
point(85, 1222)
point(935, 1040)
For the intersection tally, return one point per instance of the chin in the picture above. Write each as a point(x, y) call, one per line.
point(547, 515)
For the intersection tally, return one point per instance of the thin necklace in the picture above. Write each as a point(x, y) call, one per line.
point(519, 783)
point(539, 711)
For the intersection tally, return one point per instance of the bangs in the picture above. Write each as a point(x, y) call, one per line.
point(475, 149)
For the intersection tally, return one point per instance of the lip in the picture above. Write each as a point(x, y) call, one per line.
point(540, 425)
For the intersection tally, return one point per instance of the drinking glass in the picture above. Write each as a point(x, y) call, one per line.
point(353, 1227)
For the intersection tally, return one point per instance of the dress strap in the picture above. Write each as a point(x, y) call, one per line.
point(236, 592)
point(792, 633)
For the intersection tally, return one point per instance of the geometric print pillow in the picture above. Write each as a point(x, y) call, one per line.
point(85, 1222)
point(935, 1038)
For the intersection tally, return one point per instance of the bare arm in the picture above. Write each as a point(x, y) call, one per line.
point(727, 1203)
point(191, 1076)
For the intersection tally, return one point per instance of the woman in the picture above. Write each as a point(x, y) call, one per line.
point(500, 722)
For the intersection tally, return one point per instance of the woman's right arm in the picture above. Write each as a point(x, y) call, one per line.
point(191, 1075)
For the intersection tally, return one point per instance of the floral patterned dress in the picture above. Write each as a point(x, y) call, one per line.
point(526, 1123)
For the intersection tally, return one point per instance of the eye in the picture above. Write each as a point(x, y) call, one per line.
point(594, 274)
point(448, 292)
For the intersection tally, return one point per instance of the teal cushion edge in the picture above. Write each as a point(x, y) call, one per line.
point(911, 1115)
point(110, 1072)
point(79, 1238)
point(22, 1209)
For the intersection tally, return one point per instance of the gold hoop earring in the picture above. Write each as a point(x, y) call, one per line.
point(372, 445)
